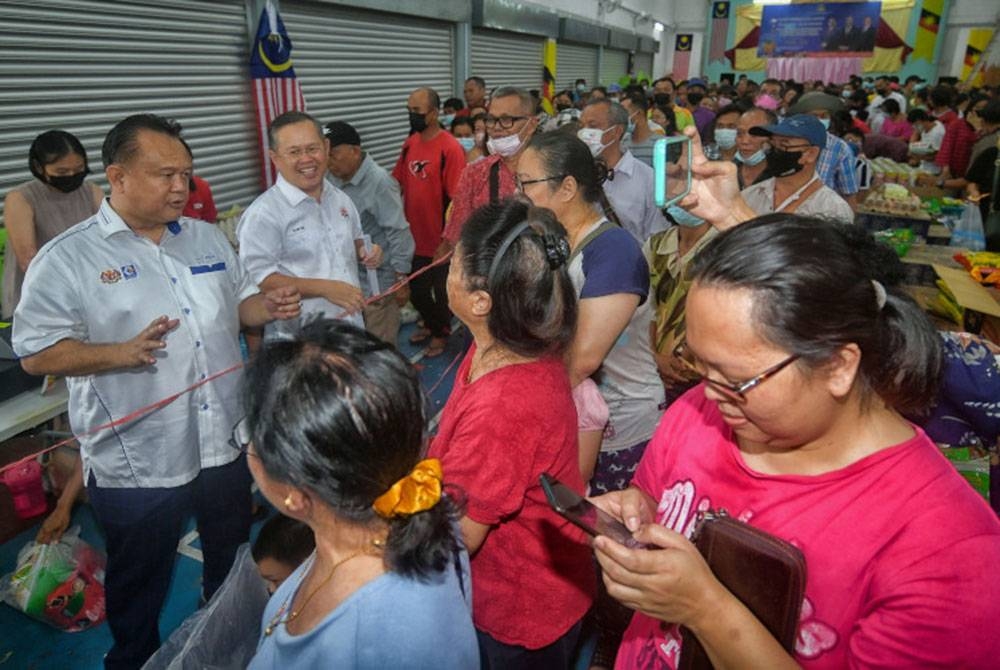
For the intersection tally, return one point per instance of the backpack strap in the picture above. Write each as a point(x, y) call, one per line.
point(495, 183)
point(590, 237)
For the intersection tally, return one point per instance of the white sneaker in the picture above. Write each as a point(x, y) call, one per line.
point(408, 314)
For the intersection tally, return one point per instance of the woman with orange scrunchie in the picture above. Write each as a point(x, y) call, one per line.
point(334, 434)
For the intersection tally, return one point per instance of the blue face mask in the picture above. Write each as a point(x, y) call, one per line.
point(467, 142)
point(445, 120)
point(754, 159)
point(682, 217)
point(725, 138)
point(826, 123)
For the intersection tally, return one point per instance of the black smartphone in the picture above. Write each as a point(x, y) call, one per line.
point(584, 514)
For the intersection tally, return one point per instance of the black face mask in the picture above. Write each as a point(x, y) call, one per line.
point(67, 183)
point(662, 99)
point(784, 163)
point(418, 122)
point(562, 106)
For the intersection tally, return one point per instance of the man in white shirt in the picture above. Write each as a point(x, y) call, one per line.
point(629, 186)
point(883, 92)
point(135, 267)
point(304, 231)
point(928, 136)
point(796, 144)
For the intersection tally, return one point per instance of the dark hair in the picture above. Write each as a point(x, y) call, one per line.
point(284, 539)
point(638, 100)
point(51, 146)
point(991, 112)
point(454, 103)
point(668, 111)
point(811, 279)
point(840, 122)
point(463, 121)
point(941, 96)
point(523, 268)
point(340, 413)
point(602, 89)
point(479, 81)
point(122, 143)
point(287, 119)
point(915, 115)
point(890, 106)
point(566, 155)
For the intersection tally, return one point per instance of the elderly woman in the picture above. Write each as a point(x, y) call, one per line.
point(510, 417)
point(58, 197)
point(807, 363)
point(334, 434)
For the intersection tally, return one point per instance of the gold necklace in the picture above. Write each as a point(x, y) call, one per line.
point(294, 614)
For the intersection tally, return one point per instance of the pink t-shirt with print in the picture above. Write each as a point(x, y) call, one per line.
point(901, 553)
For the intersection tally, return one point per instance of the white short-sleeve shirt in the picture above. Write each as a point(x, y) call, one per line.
point(286, 231)
point(630, 191)
point(99, 282)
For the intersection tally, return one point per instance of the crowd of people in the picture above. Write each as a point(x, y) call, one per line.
point(747, 348)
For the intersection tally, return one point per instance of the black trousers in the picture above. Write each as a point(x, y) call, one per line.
point(495, 655)
point(429, 295)
point(143, 527)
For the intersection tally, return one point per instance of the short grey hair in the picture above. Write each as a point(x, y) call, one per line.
point(527, 102)
point(617, 115)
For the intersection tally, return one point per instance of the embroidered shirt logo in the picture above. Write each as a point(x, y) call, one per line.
point(130, 271)
point(419, 168)
point(111, 276)
point(344, 213)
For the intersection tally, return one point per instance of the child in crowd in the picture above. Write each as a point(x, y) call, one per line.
point(281, 546)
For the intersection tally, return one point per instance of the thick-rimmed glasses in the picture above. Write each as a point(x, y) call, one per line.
point(521, 183)
point(735, 391)
point(241, 436)
point(505, 122)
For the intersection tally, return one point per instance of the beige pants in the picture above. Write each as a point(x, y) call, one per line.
point(382, 319)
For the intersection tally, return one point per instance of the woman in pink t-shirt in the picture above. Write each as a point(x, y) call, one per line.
point(510, 417)
point(895, 123)
point(809, 356)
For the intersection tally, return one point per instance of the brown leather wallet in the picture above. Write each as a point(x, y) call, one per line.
point(764, 572)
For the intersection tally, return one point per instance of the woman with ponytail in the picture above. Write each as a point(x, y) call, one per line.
point(334, 432)
point(808, 359)
point(510, 418)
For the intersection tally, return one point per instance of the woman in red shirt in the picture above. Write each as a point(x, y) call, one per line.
point(510, 418)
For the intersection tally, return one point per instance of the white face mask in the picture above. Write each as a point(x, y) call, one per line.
point(593, 137)
point(754, 159)
point(504, 146)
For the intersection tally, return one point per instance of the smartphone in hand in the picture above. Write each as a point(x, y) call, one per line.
point(585, 514)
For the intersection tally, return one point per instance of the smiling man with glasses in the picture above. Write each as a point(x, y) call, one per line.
point(796, 144)
point(304, 231)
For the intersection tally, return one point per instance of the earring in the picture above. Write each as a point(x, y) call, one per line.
point(378, 543)
point(288, 500)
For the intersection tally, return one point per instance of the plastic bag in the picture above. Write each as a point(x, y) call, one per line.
point(969, 233)
point(61, 583)
point(222, 635)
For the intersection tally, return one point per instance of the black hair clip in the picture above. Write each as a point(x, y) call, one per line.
point(556, 250)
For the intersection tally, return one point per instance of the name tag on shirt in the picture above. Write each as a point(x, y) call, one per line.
point(202, 269)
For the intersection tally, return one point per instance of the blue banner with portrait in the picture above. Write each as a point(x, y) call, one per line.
point(819, 29)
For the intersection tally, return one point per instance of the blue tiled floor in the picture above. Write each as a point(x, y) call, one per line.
point(26, 644)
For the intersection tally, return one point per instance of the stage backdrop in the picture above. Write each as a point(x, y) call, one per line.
point(899, 20)
point(825, 29)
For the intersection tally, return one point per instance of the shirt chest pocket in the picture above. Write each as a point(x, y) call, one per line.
point(302, 240)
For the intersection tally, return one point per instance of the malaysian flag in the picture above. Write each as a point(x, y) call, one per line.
point(720, 31)
point(275, 88)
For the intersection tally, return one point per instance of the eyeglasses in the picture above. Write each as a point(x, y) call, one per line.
point(241, 436)
point(521, 183)
point(505, 122)
point(296, 153)
point(734, 391)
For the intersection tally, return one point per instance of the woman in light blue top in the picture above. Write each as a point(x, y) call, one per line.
point(334, 431)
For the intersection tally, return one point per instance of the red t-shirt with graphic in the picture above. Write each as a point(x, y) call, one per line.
point(901, 553)
point(428, 174)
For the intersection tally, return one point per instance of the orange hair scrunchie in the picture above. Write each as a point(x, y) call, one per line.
point(416, 492)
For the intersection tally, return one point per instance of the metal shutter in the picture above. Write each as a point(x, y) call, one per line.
point(644, 63)
point(614, 64)
point(360, 67)
point(506, 59)
point(83, 65)
point(574, 62)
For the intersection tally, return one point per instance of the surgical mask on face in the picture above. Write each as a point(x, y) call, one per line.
point(631, 127)
point(446, 120)
point(754, 159)
point(725, 138)
point(67, 183)
point(468, 143)
point(504, 146)
point(418, 122)
point(662, 99)
point(684, 218)
point(480, 138)
point(581, 88)
point(825, 122)
point(592, 138)
point(562, 106)
point(785, 163)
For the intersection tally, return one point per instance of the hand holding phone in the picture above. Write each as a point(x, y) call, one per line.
point(584, 514)
point(671, 170)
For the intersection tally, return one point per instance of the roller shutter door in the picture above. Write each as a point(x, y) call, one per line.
point(360, 67)
point(614, 64)
point(83, 65)
point(575, 61)
point(644, 63)
point(507, 59)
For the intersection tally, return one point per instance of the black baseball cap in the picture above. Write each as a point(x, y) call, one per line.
point(340, 132)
